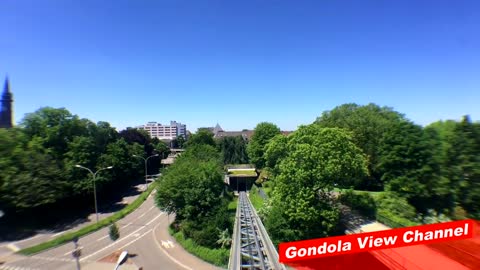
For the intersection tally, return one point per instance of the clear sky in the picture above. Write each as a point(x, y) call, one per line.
point(238, 63)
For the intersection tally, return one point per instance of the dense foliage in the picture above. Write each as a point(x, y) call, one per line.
point(363, 203)
point(262, 134)
point(38, 158)
point(193, 189)
point(233, 150)
point(315, 160)
point(435, 167)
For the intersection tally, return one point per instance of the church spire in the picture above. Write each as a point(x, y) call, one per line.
point(6, 112)
point(6, 89)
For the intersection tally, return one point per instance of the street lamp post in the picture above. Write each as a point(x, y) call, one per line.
point(94, 175)
point(146, 162)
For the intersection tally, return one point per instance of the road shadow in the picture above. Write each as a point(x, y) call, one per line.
point(66, 214)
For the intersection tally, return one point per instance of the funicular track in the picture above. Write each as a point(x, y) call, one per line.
point(251, 247)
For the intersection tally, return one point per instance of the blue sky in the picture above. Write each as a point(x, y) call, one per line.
point(241, 62)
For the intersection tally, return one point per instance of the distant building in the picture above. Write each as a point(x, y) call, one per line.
point(246, 134)
point(6, 112)
point(165, 132)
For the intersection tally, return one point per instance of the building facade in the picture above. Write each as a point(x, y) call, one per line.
point(165, 132)
point(246, 134)
point(6, 112)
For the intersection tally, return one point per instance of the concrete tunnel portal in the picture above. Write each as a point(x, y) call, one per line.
point(241, 179)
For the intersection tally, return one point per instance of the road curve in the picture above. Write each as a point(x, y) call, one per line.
point(136, 236)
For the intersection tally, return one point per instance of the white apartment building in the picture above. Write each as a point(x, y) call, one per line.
point(164, 132)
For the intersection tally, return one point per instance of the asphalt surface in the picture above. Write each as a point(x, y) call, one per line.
point(7, 248)
point(136, 236)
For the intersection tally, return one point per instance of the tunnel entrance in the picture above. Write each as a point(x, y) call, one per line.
point(241, 183)
point(241, 179)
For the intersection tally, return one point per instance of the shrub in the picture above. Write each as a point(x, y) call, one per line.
point(363, 203)
point(218, 256)
point(113, 232)
point(432, 217)
point(394, 211)
point(459, 213)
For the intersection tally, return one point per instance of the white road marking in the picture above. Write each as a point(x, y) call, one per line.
point(71, 251)
point(52, 259)
point(166, 253)
point(165, 244)
point(12, 267)
point(57, 234)
point(118, 241)
point(103, 237)
point(13, 247)
point(20, 241)
point(136, 239)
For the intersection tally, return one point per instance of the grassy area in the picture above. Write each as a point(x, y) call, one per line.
point(218, 257)
point(243, 172)
point(393, 221)
point(68, 237)
point(255, 198)
point(374, 194)
point(232, 206)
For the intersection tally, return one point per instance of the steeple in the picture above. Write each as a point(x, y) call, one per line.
point(6, 112)
point(217, 129)
point(6, 89)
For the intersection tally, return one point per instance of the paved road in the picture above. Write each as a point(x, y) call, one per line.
point(7, 248)
point(136, 236)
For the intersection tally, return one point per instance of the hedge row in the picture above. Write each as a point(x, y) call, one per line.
point(218, 257)
point(68, 237)
point(393, 221)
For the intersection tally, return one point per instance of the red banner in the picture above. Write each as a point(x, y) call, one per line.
point(417, 235)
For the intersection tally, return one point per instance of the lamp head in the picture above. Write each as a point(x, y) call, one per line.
point(109, 167)
point(78, 166)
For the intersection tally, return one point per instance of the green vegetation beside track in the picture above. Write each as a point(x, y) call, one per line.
point(255, 198)
point(90, 228)
point(216, 256)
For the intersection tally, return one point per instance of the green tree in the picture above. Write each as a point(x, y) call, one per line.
point(125, 167)
point(203, 136)
point(113, 232)
point(190, 189)
point(233, 150)
point(407, 158)
point(134, 135)
point(368, 123)
point(262, 134)
point(276, 150)
point(464, 165)
point(317, 159)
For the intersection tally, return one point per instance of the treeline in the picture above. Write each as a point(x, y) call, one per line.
point(434, 167)
point(424, 170)
point(38, 158)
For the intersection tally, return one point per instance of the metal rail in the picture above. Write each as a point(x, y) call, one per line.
point(251, 247)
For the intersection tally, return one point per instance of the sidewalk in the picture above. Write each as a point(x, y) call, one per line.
point(175, 251)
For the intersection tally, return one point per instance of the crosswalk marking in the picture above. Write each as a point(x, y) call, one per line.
point(11, 267)
point(52, 259)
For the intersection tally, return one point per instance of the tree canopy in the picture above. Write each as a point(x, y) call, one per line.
point(38, 159)
point(315, 160)
point(262, 134)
